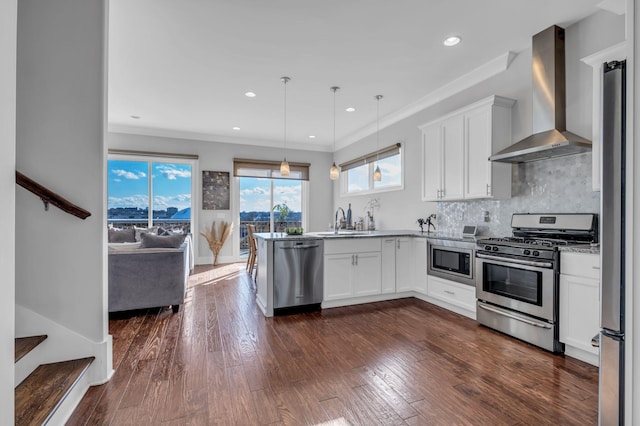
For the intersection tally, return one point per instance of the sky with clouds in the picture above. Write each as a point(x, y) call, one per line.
point(128, 185)
point(255, 194)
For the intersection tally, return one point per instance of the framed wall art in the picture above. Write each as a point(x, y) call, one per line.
point(215, 190)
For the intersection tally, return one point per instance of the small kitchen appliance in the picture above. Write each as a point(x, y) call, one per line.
point(517, 277)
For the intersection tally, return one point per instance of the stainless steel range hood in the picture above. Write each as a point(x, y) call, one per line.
point(550, 138)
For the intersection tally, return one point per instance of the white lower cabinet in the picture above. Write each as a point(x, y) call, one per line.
point(420, 265)
point(352, 268)
point(453, 294)
point(397, 265)
point(580, 304)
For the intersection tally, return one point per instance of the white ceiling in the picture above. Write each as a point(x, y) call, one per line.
point(183, 66)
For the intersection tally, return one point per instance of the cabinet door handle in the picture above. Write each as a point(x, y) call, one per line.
point(450, 292)
point(595, 267)
point(353, 259)
point(398, 243)
point(356, 260)
point(488, 189)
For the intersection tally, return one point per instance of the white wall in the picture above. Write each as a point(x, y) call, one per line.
point(400, 209)
point(8, 20)
point(218, 156)
point(60, 144)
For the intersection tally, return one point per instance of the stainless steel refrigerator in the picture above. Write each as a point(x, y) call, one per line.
point(612, 245)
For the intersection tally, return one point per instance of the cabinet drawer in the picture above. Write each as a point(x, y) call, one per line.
point(452, 292)
point(352, 245)
point(580, 264)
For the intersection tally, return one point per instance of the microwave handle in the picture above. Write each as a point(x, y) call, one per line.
point(518, 261)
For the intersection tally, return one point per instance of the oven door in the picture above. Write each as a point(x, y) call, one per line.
point(517, 284)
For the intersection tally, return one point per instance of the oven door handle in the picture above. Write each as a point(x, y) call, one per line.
point(512, 316)
point(518, 261)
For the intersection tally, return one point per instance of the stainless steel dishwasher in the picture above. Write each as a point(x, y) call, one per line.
point(297, 275)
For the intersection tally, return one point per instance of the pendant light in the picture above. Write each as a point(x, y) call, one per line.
point(334, 172)
point(284, 166)
point(377, 174)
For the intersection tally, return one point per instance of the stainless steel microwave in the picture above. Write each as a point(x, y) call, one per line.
point(452, 260)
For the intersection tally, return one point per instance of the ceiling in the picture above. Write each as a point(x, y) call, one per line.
point(183, 67)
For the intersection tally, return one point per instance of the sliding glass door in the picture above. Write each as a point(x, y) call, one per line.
point(270, 204)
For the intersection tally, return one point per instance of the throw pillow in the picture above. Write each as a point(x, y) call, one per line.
point(161, 241)
point(122, 235)
point(141, 230)
point(162, 231)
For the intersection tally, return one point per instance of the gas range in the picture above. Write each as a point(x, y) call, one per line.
point(519, 246)
point(539, 235)
point(517, 276)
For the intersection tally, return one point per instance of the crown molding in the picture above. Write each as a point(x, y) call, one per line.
point(483, 72)
point(206, 137)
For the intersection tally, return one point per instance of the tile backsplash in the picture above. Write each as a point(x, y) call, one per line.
point(559, 185)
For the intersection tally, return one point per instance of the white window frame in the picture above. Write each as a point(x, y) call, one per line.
point(344, 184)
point(150, 159)
point(304, 200)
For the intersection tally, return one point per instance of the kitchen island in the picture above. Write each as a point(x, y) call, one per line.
point(360, 267)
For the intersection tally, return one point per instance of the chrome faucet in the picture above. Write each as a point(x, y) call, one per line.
point(336, 226)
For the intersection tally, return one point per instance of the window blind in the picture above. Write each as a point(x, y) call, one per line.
point(152, 154)
point(370, 158)
point(269, 169)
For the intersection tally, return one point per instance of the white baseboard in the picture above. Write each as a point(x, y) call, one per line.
point(445, 305)
point(582, 355)
point(208, 260)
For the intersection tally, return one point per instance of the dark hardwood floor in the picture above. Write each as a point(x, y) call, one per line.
point(220, 361)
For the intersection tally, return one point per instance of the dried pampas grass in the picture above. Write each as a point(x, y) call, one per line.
point(217, 238)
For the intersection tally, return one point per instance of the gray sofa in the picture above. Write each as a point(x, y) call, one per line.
point(142, 278)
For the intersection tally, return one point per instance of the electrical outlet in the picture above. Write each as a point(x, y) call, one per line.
point(486, 216)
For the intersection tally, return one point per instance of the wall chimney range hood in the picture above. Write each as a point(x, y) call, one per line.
point(551, 138)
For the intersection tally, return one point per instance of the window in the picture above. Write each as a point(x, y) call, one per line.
point(147, 191)
point(268, 200)
point(358, 173)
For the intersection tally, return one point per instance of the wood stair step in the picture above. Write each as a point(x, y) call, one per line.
point(40, 394)
point(24, 345)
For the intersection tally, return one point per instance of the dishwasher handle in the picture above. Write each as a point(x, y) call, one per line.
point(300, 247)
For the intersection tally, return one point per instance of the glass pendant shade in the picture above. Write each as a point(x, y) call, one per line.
point(334, 172)
point(377, 175)
point(284, 168)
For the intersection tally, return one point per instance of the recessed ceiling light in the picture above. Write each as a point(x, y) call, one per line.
point(236, 128)
point(350, 109)
point(135, 117)
point(452, 41)
point(312, 136)
point(250, 95)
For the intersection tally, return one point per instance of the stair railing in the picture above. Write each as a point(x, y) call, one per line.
point(49, 197)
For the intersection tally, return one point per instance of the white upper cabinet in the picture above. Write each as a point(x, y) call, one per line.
point(452, 152)
point(456, 150)
point(431, 162)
